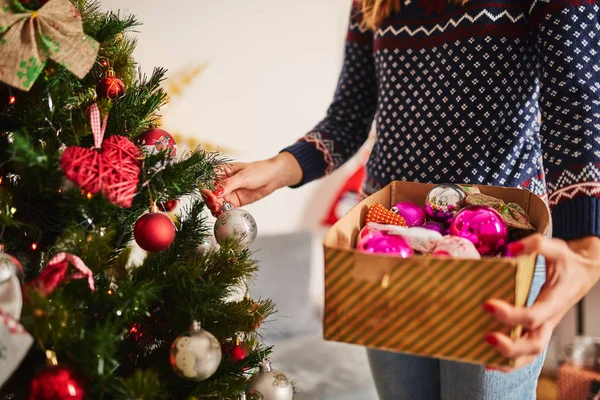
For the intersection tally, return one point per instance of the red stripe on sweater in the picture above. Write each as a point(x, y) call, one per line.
point(527, 183)
point(362, 38)
point(459, 12)
point(466, 32)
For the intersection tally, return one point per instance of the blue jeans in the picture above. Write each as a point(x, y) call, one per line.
point(406, 377)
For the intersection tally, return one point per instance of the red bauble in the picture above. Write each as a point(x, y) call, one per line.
point(56, 383)
point(239, 352)
point(110, 87)
point(154, 232)
point(236, 352)
point(168, 206)
point(156, 140)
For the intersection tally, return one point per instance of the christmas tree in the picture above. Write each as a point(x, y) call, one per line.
point(84, 173)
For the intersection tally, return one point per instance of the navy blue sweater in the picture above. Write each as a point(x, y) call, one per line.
point(456, 95)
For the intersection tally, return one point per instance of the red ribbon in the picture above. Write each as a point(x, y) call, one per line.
point(98, 128)
point(55, 273)
point(12, 324)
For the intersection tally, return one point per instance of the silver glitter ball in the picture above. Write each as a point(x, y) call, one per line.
point(9, 267)
point(196, 355)
point(237, 224)
point(269, 384)
point(444, 197)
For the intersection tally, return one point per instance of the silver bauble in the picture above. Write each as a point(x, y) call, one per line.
point(269, 384)
point(237, 224)
point(206, 246)
point(196, 355)
point(9, 267)
point(445, 197)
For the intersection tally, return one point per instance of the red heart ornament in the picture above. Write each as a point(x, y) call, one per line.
point(113, 169)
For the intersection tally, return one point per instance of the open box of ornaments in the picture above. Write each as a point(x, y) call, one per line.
point(409, 268)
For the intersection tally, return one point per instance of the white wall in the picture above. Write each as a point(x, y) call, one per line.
point(273, 68)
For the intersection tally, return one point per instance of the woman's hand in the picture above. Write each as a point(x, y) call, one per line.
point(572, 269)
point(245, 183)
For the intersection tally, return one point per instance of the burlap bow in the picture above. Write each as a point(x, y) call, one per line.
point(28, 38)
point(514, 216)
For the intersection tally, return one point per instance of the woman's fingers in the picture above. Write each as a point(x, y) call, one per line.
point(226, 170)
point(242, 184)
point(552, 249)
point(548, 306)
point(208, 196)
point(532, 344)
point(236, 179)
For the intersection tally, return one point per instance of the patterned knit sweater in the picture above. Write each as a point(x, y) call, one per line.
point(498, 92)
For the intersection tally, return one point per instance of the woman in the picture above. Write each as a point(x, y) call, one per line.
point(456, 92)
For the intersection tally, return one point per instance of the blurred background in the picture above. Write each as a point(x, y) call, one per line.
point(249, 78)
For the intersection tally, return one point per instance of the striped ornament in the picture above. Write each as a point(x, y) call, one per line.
point(379, 214)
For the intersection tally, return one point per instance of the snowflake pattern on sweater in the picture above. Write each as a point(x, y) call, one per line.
point(456, 95)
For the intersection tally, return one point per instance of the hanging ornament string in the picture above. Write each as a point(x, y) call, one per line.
point(55, 273)
point(13, 325)
point(98, 128)
point(110, 87)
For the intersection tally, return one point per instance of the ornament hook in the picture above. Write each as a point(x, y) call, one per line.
point(196, 326)
point(265, 366)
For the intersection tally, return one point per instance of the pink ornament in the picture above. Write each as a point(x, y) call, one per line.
point(365, 232)
point(456, 247)
point(369, 232)
point(441, 216)
point(381, 243)
point(411, 212)
point(436, 226)
point(483, 226)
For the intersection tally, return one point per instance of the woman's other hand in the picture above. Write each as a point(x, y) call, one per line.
point(572, 269)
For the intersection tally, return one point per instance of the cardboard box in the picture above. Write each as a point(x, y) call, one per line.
point(422, 305)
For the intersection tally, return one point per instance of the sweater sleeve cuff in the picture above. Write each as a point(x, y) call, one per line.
point(577, 218)
point(310, 159)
